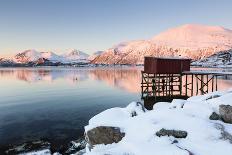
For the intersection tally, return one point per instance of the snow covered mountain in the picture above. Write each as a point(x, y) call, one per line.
point(76, 56)
point(191, 40)
point(95, 54)
point(220, 59)
point(49, 58)
point(27, 56)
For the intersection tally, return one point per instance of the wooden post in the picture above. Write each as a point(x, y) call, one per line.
point(216, 83)
point(158, 84)
point(166, 83)
point(192, 86)
point(180, 86)
point(202, 89)
point(212, 82)
point(142, 85)
point(186, 85)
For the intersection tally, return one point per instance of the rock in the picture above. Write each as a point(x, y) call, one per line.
point(224, 134)
point(225, 112)
point(174, 133)
point(175, 141)
point(29, 147)
point(104, 135)
point(213, 96)
point(214, 116)
point(77, 146)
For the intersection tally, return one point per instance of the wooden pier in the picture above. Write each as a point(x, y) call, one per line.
point(170, 80)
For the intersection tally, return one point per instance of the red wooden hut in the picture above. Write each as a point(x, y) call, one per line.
point(157, 65)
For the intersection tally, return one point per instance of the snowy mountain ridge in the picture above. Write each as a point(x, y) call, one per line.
point(191, 40)
point(220, 59)
point(33, 56)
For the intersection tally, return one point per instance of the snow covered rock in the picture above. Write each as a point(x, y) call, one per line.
point(104, 135)
point(174, 133)
point(77, 147)
point(177, 103)
point(136, 108)
point(226, 113)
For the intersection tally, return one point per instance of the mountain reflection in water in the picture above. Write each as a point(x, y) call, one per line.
point(124, 78)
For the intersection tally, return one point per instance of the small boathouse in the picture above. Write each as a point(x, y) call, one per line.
point(164, 79)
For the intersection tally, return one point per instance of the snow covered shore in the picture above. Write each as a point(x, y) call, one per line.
point(139, 126)
point(195, 126)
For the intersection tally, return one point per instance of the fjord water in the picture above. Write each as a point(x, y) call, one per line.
point(56, 103)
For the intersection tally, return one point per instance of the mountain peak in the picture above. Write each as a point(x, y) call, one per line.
point(75, 52)
point(195, 36)
point(200, 27)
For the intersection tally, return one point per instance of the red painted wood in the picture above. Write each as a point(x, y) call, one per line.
point(166, 65)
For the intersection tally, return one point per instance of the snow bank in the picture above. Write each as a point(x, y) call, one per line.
point(192, 115)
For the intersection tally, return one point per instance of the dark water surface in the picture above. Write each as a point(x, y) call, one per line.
point(56, 103)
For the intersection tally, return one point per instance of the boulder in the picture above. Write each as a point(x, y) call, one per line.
point(174, 133)
point(104, 135)
point(225, 112)
point(214, 116)
point(77, 146)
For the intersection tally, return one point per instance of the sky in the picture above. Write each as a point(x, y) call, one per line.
point(93, 25)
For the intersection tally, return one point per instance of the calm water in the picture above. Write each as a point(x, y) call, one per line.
point(56, 103)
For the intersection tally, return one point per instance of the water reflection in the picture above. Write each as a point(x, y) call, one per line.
point(127, 79)
point(123, 78)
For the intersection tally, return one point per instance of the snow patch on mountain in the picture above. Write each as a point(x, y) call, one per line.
point(95, 54)
point(75, 56)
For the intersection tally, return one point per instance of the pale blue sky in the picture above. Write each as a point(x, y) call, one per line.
point(92, 25)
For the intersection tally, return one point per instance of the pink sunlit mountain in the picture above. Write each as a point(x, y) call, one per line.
point(37, 57)
point(191, 40)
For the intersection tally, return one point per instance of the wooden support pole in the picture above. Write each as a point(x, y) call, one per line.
point(142, 93)
point(216, 83)
point(158, 84)
point(202, 89)
point(192, 86)
point(180, 86)
point(212, 83)
point(186, 85)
